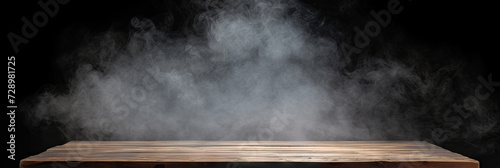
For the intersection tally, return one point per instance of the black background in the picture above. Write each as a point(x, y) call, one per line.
point(470, 26)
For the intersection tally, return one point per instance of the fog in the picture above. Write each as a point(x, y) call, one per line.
point(252, 70)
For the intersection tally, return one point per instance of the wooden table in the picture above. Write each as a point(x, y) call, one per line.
point(242, 154)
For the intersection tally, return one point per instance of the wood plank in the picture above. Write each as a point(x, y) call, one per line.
point(239, 154)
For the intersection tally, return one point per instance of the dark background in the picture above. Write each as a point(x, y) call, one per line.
point(469, 26)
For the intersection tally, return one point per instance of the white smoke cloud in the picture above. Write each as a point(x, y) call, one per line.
point(257, 72)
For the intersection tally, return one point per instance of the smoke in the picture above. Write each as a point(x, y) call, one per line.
point(247, 70)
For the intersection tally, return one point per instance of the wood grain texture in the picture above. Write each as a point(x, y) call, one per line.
point(241, 154)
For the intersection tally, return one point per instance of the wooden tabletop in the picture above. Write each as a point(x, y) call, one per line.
point(240, 154)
